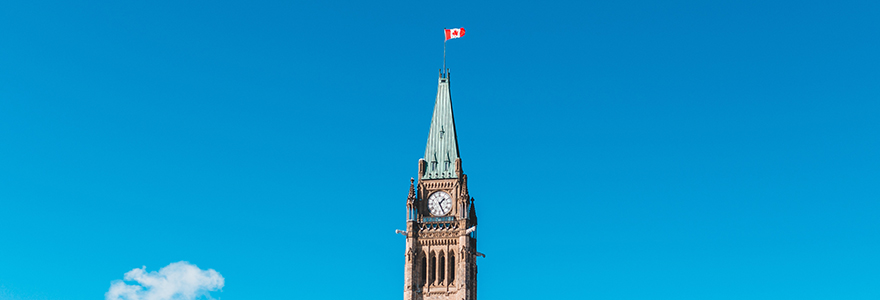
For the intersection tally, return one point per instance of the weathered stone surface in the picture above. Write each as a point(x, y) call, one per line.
point(440, 256)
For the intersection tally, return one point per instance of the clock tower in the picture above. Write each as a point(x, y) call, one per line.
point(441, 240)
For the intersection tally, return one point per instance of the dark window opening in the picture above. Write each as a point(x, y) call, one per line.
point(432, 262)
point(424, 270)
point(441, 262)
point(451, 267)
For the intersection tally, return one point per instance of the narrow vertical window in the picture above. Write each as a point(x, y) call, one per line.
point(432, 267)
point(451, 267)
point(441, 267)
point(424, 269)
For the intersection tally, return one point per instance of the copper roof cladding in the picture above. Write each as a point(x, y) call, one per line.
point(442, 148)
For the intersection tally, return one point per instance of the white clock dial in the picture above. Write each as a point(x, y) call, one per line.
point(439, 203)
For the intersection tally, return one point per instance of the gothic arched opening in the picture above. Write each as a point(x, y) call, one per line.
point(451, 267)
point(432, 266)
point(423, 269)
point(441, 267)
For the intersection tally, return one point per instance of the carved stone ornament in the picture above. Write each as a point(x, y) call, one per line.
point(412, 192)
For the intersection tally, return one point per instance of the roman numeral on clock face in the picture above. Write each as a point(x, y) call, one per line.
point(439, 203)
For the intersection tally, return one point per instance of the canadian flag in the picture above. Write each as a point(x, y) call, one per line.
point(454, 33)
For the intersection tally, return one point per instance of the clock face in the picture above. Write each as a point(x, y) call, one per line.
point(440, 203)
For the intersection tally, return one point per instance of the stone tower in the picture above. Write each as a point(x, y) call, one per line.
point(441, 241)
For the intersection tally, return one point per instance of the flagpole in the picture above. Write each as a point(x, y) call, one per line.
point(444, 55)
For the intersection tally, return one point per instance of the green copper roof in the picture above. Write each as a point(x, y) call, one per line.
point(442, 149)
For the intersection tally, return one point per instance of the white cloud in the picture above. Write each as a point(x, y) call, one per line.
point(177, 281)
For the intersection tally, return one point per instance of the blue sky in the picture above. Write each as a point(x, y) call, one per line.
point(616, 150)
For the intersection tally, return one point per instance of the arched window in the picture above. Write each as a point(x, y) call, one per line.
point(423, 264)
point(441, 267)
point(451, 267)
point(432, 267)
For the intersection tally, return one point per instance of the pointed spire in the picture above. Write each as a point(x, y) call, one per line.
point(412, 192)
point(442, 149)
point(410, 201)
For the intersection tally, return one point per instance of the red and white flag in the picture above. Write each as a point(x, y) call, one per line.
point(454, 33)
